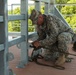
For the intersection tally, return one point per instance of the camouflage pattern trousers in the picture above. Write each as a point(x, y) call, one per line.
point(62, 44)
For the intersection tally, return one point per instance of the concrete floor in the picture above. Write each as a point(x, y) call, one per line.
point(33, 69)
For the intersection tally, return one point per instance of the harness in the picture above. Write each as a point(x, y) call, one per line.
point(38, 56)
point(35, 58)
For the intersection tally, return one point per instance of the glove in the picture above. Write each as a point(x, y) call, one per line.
point(36, 44)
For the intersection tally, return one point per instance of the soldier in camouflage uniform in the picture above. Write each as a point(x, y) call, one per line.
point(54, 35)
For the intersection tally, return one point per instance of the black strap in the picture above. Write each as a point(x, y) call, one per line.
point(36, 57)
point(54, 66)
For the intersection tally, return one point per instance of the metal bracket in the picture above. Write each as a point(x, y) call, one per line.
point(10, 56)
point(11, 72)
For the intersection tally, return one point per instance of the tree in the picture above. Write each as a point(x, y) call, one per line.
point(63, 9)
point(10, 29)
point(70, 10)
point(14, 26)
point(61, 2)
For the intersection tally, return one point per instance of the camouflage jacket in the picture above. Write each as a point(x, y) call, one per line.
point(49, 31)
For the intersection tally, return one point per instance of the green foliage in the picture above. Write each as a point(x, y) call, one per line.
point(10, 12)
point(72, 22)
point(70, 10)
point(10, 28)
point(30, 8)
point(16, 11)
point(67, 10)
point(42, 9)
point(15, 25)
point(30, 26)
point(71, 1)
point(62, 1)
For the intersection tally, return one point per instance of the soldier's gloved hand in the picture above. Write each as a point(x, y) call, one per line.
point(36, 44)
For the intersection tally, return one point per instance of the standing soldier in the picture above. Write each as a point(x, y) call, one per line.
point(53, 33)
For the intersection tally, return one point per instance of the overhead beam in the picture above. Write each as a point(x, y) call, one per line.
point(46, 1)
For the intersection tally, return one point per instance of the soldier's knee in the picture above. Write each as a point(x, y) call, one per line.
point(61, 37)
point(65, 37)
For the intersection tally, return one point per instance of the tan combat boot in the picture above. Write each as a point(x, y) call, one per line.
point(61, 60)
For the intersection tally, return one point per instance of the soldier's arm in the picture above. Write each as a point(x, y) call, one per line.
point(53, 33)
point(41, 34)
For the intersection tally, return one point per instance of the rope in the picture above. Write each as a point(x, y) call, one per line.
point(38, 56)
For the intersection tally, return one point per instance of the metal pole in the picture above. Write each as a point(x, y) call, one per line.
point(24, 32)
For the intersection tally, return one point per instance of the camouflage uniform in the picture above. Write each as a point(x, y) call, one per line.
point(54, 35)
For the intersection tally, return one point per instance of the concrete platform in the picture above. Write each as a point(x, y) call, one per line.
point(33, 69)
